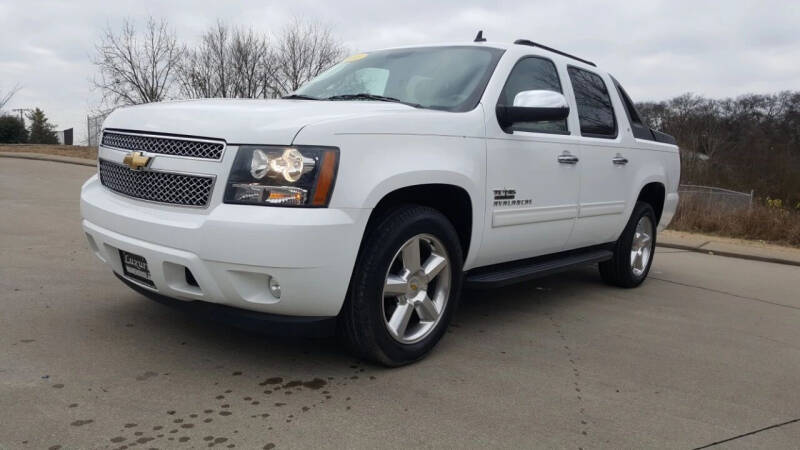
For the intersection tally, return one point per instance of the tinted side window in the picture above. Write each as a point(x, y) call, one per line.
point(640, 131)
point(530, 74)
point(629, 108)
point(594, 104)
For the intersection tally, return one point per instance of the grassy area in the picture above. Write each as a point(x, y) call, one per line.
point(74, 151)
point(761, 222)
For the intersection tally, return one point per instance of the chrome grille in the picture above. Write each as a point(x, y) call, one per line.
point(164, 145)
point(154, 186)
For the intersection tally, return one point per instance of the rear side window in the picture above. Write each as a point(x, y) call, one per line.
point(639, 129)
point(629, 108)
point(532, 74)
point(594, 104)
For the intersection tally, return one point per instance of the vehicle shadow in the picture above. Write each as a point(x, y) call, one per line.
point(536, 296)
point(478, 309)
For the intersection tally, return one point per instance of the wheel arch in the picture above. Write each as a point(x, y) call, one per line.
point(452, 200)
point(654, 193)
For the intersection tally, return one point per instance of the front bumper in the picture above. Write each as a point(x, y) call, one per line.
point(231, 250)
point(264, 323)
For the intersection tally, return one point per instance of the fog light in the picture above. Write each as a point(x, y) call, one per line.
point(274, 288)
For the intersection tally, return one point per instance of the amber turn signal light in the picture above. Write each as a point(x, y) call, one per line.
point(327, 177)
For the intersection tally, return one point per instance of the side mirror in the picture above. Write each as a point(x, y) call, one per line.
point(533, 106)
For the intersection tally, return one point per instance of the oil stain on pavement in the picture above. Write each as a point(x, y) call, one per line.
point(268, 402)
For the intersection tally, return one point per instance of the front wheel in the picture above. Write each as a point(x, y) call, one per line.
point(633, 251)
point(405, 286)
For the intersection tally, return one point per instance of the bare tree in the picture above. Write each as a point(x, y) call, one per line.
point(202, 72)
point(6, 97)
point(196, 74)
point(136, 68)
point(249, 59)
point(228, 62)
point(303, 51)
point(744, 143)
point(232, 62)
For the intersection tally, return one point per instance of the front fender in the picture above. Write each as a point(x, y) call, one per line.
point(373, 165)
point(369, 174)
point(416, 178)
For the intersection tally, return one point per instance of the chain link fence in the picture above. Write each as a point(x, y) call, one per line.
point(715, 197)
point(94, 126)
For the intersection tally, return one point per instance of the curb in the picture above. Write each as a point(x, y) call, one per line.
point(51, 158)
point(786, 262)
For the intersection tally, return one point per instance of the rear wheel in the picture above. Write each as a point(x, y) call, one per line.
point(633, 251)
point(405, 286)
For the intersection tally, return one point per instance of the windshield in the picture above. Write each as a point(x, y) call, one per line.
point(448, 78)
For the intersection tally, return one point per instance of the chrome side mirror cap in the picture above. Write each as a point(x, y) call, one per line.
point(540, 99)
point(533, 106)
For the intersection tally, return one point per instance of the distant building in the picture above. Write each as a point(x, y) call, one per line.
point(64, 136)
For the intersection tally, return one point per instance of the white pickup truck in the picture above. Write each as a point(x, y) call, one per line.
point(365, 201)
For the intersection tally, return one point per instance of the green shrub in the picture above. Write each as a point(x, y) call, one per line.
point(42, 131)
point(12, 130)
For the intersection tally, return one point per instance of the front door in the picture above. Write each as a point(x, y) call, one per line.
point(532, 175)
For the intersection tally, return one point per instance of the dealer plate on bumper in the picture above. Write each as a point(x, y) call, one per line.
point(135, 267)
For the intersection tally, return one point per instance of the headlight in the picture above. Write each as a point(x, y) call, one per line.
point(282, 176)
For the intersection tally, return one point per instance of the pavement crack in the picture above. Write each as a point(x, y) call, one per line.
point(584, 422)
point(777, 425)
point(743, 297)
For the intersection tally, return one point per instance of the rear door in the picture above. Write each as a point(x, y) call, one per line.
point(532, 191)
point(605, 166)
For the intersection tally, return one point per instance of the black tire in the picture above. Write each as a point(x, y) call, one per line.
point(618, 271)
point(362, 318)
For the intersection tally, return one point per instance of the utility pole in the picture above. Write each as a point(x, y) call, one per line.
point(21, 111)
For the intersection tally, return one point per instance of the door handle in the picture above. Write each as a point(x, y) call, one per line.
point(567, 158)
point(619, 160)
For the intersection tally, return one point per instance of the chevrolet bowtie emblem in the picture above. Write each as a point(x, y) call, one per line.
point(136, 160)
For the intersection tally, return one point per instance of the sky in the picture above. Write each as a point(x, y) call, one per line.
point(656, 49)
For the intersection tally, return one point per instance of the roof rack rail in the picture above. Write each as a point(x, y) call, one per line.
point(550, 49)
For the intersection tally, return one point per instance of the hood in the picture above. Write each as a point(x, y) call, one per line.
point(244, 121)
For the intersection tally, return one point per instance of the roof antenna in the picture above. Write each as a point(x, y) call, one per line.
point(479, 37)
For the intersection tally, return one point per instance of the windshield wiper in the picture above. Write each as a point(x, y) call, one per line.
point(299, 97)
point(365, 96)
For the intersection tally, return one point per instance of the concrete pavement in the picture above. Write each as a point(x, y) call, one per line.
point(706, 350)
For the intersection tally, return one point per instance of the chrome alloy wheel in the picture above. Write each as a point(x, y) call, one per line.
point(642, 246)
point(416, 289)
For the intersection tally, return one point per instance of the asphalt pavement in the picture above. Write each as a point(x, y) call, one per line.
point(706, 352)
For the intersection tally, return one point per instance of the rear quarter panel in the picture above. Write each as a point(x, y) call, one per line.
point(660, 163)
